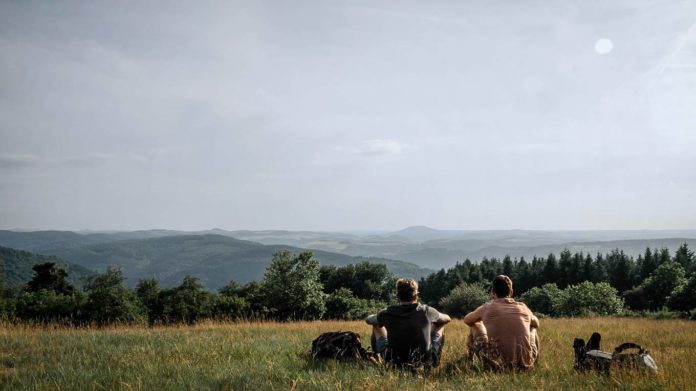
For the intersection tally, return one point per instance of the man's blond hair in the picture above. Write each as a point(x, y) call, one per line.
point(406, 289)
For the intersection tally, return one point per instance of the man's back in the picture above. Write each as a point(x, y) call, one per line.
point(409, 327)
point(508, 325)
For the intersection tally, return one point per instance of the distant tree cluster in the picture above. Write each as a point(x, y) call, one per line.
point(574, 281)
point(294, 287)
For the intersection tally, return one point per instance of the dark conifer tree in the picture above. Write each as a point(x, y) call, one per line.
point(550, 272)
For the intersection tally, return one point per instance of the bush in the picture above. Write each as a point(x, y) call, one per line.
point(588, 298)
point(636, 299)
point(230, 307)
point(48, 306)
point(341, 304)
point(464, 299)
point(545, 300)
point(186, 303)
point(683, 296)
point(108, 301)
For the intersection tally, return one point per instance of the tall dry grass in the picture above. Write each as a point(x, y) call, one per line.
point(265, 356)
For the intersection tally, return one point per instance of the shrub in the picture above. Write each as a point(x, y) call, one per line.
point(186, 303)
point(230, 307)
point(545, 299)
point(464, 299)
point(341, 304)
point(636, 299)
point(588, 298)
point(49, 306)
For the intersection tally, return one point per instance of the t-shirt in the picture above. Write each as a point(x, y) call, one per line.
point(408, 330)
point(508, 323)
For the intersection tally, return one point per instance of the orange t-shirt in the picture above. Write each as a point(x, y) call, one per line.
point(508, 324)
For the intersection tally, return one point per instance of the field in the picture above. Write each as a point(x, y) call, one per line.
point(275, 356)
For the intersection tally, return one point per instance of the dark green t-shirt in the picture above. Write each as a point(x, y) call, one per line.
point(408, 331)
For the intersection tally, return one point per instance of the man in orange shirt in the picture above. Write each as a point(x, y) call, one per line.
point(504, 326)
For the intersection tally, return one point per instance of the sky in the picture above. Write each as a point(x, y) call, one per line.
point(348, 115)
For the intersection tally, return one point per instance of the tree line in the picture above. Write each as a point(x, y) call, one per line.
point(297, 287)
point(653, 281)
point(294, 287)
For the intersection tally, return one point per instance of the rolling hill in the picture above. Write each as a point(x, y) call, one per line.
point(15, 266)
point(215, 259)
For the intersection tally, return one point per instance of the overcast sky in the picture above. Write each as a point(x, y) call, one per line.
point(348, 115)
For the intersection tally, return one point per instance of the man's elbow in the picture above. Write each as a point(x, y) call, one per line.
point(469, 320)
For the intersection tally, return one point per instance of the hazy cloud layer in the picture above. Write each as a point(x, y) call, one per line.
point(350, 115)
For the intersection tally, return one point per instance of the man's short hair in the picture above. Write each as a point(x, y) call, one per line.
point(406, 289)
point(502, 286)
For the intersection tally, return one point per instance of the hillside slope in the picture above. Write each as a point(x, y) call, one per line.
point(15, 266)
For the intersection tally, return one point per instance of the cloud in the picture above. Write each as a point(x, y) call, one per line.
point(18, 161)
point(379, 147)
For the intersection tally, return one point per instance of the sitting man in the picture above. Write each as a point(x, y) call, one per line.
point(502, 330)
point(408, 333)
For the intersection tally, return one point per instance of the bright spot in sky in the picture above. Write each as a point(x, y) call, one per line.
point(603, 46)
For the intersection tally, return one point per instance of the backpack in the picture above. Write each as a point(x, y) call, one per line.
point(339, 345)
point(628, 355)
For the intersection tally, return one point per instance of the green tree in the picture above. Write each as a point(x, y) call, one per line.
point(148, 292)
point(620, 270)
point(564, 266)
point(464, 299)
point(366, 280)
point(108, 301)
point(685, 257)
point(658, 287)
point(649, 265)
point(188, 302)
point(683, 298)
point(291, 287)
point(550, 273)
point(51, 278)
point(587, 271)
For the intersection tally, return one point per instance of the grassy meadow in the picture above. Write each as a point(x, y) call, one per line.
point(275, 356)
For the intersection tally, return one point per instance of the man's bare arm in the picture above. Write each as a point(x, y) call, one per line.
point(474, 316)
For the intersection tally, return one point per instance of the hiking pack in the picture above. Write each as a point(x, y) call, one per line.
point(628, 355)
point(339, 345)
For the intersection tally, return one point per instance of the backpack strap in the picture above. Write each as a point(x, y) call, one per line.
point(629, 345)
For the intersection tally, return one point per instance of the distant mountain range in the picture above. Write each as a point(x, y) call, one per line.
point(436, 249)
point(169, 256)
point(217, 256)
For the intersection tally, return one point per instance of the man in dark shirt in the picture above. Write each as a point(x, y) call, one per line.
point(408, 333)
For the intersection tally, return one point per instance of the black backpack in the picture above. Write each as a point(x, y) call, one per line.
point(339, 345)
point(628, 355)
